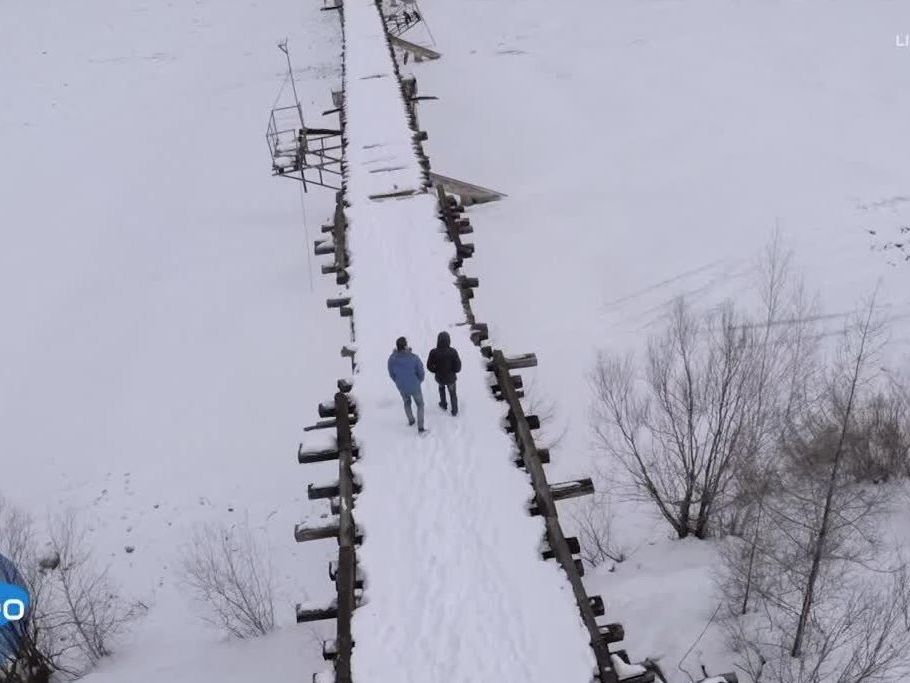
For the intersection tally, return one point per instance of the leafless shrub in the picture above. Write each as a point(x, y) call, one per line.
point(229, 574)
point(90, 608)
point(858, 636)
point(551, 433)
point(878, 446)
point(592, 520)
point(75, 611)
point(679, 425)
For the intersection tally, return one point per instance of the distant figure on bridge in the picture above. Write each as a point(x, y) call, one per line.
point(406, 371)
point(444, 362)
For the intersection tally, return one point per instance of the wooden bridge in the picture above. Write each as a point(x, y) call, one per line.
point(370, 190)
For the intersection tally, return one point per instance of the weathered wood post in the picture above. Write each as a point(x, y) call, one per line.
point(346, 573)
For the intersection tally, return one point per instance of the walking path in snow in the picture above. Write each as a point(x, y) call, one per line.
point(455, 587)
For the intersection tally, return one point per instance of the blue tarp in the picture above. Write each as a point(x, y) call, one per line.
point(10, 634)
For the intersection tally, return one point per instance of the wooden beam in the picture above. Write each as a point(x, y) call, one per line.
point(329, 649)
point(323, 247)
point(307, 613)
point(468, 192)
point(572, 489)
point(308, 457)
point(324, 491)
point(303, 533)
point(418, 51)
point(324, 424)
point(612, 633)
point(345, 579)
point(571, 542)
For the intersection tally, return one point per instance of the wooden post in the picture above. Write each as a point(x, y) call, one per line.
point(346, 574)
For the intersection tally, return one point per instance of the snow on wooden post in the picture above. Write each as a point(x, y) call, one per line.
point(303, 533)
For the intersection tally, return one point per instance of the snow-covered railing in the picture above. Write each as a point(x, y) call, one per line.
point(340, 414)
point(506, 387)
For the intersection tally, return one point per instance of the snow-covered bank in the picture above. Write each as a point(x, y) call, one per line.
point(161, 346)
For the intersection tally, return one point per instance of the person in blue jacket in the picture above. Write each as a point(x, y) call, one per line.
point(406, 370)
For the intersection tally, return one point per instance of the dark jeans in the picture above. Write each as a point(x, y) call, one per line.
point(453, 395)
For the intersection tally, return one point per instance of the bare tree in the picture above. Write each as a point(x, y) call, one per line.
point(859, 637)
point(679, 427)
point(227, 571)
point(595, 535)
point(855, 355)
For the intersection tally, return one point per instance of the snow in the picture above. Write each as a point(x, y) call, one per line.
point(163, 344)
point(623, 670)
point(378, 136)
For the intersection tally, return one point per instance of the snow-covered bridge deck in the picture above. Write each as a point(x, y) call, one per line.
point(455, 587)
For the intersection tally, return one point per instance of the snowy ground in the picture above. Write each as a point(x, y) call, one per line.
point(162, 346)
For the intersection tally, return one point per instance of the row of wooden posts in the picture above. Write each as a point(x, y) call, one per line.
point(340, 414)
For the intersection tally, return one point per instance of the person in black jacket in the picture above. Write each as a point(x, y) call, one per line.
point(444, 362)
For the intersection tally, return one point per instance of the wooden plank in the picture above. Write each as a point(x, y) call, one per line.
point(307, 457)
point(303, 533)
point(324, 424)
point(565, 490)
point(329, 649)
point(315, 492)
point(571, 542)
point(417, 50)
point(323, 247)
point(469, 192)
point(572, 489)
point(307, 613)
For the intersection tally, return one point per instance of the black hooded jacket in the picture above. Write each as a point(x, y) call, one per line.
point(443, 361)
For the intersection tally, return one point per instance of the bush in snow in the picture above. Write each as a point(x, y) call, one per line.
point(230, 576)
point(595, 536)
point(75, 611)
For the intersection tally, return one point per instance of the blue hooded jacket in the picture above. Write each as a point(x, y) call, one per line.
point(406, 370)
